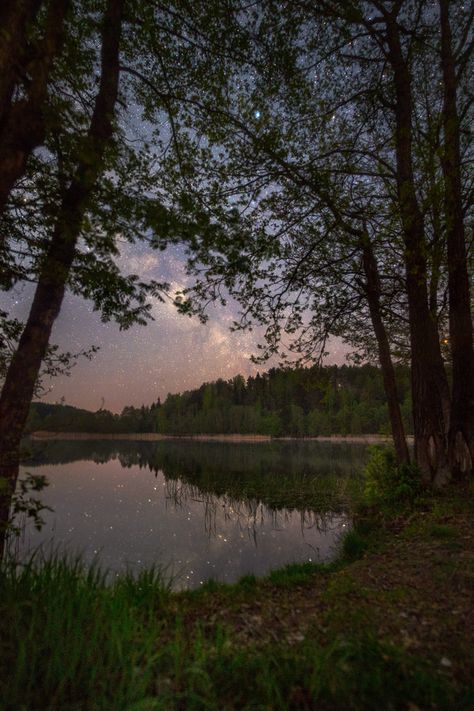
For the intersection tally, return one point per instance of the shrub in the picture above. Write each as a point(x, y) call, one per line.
point(386, 481)
point(354, 545)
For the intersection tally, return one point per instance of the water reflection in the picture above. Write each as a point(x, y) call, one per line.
point(206, 509)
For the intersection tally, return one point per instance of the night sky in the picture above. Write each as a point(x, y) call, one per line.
point(171, 354)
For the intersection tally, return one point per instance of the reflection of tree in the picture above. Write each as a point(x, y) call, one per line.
point(302, 457)
point(243, 479)
point(248, 514)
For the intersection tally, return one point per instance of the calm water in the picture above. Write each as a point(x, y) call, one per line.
point(203, 510)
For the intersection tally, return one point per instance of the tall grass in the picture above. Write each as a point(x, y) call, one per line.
point(69, 639)
point(72, 640)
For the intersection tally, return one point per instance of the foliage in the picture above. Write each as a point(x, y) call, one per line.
point(354, 545)
point(23, 504)
point(303, 140)
point(55, 363)
point(323, 128)
point(65, 418)
point(386, 482)
point(345, 400)
point(298, 402)
point(119, 211)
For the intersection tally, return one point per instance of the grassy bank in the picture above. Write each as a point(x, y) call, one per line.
point(388, 626)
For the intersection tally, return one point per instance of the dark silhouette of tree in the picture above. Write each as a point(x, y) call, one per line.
point(25, 365)
point(321, 144)
point(24, 368)
point(461, 430)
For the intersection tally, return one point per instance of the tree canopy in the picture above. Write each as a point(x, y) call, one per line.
point(341, 134)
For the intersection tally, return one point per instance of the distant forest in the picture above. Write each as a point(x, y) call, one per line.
point(346, 400)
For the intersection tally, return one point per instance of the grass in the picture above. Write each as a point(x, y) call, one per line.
point(354, 545)
point(72, 637)
point(443, 531)
point(369, 634)
point(78, 643)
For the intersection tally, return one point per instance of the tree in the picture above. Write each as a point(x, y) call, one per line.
point(23, 370)
point(91, 183)
point(261, 161)
point(25, 364)
point(68, 204)
point(26, 64)
point(461, 430)
point(318, 150)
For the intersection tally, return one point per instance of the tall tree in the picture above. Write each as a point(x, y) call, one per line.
point(429, 384)
point(461, 431)
point(309, 209)
point(89, 188)
point(25, 365)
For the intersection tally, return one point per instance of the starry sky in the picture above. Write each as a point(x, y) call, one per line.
point(171, 354)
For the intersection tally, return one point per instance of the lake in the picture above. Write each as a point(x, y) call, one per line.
point(201, 510)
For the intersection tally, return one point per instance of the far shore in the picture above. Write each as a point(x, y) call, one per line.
point(155, 437)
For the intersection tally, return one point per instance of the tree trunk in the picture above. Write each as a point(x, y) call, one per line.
point(430, 390)
point(461, 431)
point(436, 200)
point(15, 18)
point(23, 126)
point(24, 367)
point(9, 475)
point(372, 292)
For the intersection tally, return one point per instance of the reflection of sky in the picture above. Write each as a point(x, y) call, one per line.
point(173, 353)
point(130, 517)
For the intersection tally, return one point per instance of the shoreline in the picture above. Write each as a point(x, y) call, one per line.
point(42, 435)
point(386, 625)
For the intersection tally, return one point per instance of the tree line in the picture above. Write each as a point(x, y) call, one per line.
point(302, 402)
point(293, 402)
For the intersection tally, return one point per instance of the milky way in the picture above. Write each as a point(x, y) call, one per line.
point(171, 354)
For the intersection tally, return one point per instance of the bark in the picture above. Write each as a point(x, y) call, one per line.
point(430, 390)
point(23, 127)
point(461, 431)
point(437, 246)
point(372, 292)
point(15, 19)
point(9, 475)
point(24, 368)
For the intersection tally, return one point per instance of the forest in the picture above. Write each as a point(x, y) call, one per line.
point(303, 402)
